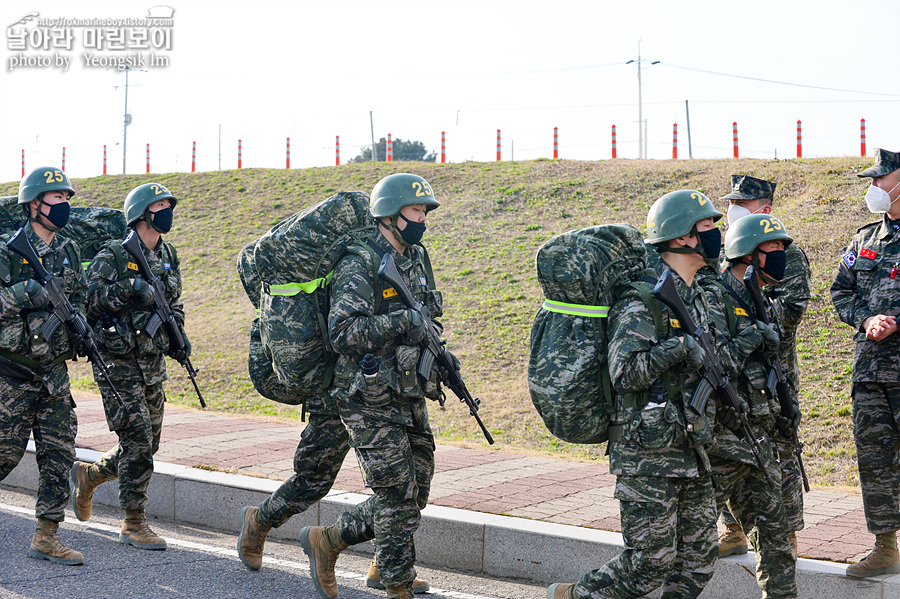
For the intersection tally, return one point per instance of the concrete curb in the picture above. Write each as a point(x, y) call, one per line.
point(450, 538)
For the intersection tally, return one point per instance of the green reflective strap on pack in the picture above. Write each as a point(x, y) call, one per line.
point(290, 289)
point(576, 309)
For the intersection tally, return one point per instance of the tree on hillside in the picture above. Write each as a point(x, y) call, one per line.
point(402, 150)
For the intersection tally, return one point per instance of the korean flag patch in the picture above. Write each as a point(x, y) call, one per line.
point(849, 258)
point(167, 266)
point(423, 280)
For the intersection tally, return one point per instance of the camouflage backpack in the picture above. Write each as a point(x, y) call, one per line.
point(294, 263)
point(581, 273)
point(92, 228)
point(259, 363)
point(11, 215)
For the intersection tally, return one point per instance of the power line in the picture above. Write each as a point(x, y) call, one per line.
point(832, 89)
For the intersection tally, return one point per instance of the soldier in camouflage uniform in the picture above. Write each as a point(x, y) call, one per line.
point(866, 295)
point(324, 444)
point(750, 195)
point(760, 240)
point(657, 447)
point(34, 380)
point(384, 412)
point(121, 304)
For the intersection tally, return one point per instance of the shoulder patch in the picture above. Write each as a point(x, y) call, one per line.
point(849, 259)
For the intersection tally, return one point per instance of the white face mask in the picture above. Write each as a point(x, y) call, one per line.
point(736, 211)
point(879, 200)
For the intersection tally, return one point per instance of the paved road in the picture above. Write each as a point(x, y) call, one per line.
point(199, 563)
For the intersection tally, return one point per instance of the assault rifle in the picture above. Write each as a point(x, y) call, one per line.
point(61, 310)
point(432, 347)
point(776, 382)
point(713, 375)
point(162, 312)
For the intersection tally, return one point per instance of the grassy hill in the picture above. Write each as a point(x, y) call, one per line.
point(483, 241)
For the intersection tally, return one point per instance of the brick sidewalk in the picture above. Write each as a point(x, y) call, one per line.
point(496, 482)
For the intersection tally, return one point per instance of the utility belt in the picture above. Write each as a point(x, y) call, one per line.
point(20, 367)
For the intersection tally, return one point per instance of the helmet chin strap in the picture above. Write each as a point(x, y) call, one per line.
point(392, 227)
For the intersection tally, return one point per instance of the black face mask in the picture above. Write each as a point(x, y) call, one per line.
point(162, 220)
point(711, 242)
point(413, 232)
point(59, 214)
point(776, 264)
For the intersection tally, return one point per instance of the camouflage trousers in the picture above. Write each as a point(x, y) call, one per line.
point(397, 463)
point(876, 428)
point(791, 485)
point(53, 422)
point(669, 529)
point(760, 511)
point(139, 427)
point(324, 444)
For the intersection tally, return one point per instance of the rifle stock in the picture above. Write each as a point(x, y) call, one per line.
point(162, 312)
point(61, 310)
point(776, 381)
point(432, 347)
point(712, 371)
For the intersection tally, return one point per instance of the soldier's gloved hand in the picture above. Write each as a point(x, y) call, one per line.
point(417, 327)
point(445, 374)
point(770, 338)
point(729, 416)
point(29, 294)
point(694, 356)
point(143, 292)
point(184, 354)
point(788, 425)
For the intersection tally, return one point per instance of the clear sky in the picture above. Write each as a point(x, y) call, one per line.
point(310, 70)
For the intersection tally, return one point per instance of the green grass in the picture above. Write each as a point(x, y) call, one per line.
point(483, 239)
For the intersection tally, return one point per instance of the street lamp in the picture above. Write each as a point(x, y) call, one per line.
point(641, 150)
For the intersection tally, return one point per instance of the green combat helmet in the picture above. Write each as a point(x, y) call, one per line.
point(748, 232)
point(43, 179)
point(396, 191)
point(141, 197)
point(675, 214)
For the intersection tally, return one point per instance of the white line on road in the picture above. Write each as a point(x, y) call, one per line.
point(233, 554)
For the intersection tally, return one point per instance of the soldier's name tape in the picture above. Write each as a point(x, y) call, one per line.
point(232, 553)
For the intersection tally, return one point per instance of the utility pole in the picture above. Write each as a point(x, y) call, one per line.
point(687, 114)
point(639, 60)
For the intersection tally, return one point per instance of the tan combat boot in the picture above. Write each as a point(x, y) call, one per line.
point(732, 541)
point(404, 591)
point(561, 590)
point(252, 538)
point(884, 559)
point(322, 546)
point(46, 545)
point(84, 478)
point(373, 580)
point(136, 532)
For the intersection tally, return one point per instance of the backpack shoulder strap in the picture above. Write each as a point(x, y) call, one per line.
point(171, 249)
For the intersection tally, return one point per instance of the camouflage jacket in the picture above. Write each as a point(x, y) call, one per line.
point(655, 440)
point(396, 393)
point(20, 330)
point(791, 297)
point(122, 338)
point(746, 365)
point(864, 288)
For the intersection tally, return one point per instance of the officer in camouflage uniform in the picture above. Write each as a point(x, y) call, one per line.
point(750, 195)
point(866, 295)
point(760, 240)
point(121, 304)
point(324, 444)
point(384, 412)
point(658, 448)
point(34, 380)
